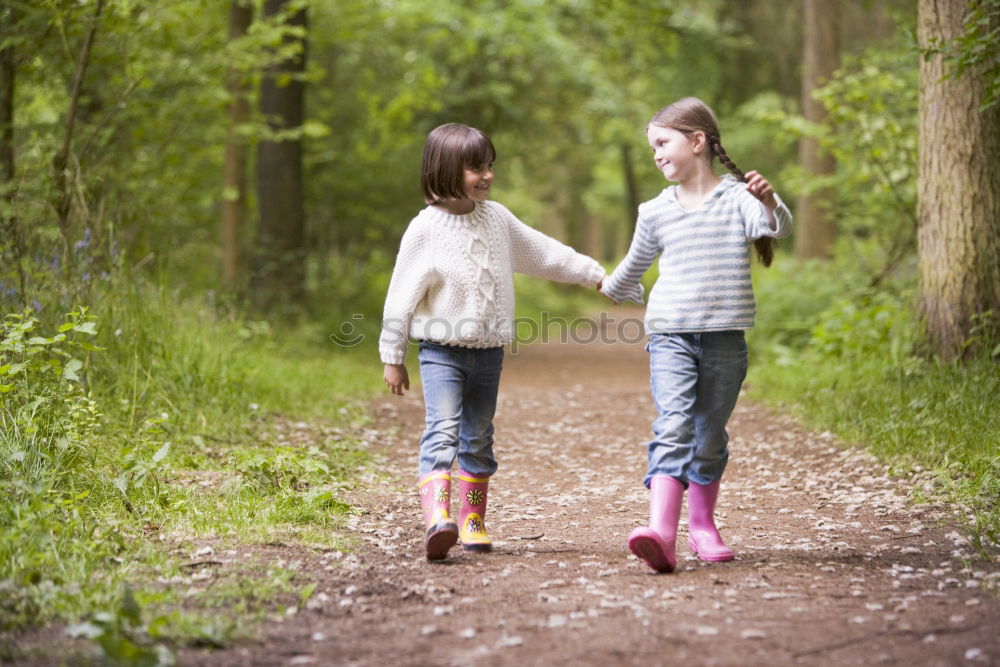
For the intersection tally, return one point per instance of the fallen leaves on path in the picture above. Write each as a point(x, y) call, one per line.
point(834, 564)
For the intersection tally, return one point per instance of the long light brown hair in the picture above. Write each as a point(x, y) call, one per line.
point(690, 115)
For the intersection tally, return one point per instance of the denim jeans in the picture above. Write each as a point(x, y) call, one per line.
point(460, 399)
point(695, 379)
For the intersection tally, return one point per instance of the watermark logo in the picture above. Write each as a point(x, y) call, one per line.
point(545, 328)
point(349, 335)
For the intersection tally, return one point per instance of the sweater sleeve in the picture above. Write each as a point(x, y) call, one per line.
point(624, 283)
point(761, 222)
point(410, 279)
point(535, 254)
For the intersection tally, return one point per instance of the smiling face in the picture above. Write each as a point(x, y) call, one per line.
point(676, 154)
point(477, 181)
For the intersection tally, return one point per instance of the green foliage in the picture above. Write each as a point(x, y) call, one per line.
point(842, 356)
point(108, 422)
point(977, 50)
point(871, 131)
point(122, 636)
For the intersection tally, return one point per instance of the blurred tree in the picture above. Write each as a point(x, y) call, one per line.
point(815, 228)
point(959, 192)
point(63, 170)
point(234, 170)
point(10, 244)
point(280, 271)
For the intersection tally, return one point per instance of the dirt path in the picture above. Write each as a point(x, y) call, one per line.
point(833, 566)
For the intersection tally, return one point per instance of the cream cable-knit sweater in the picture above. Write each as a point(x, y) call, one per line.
point(454, 277)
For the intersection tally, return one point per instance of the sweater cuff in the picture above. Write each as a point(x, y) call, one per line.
point(597, 275)
point(392, 356)
point(619, 294)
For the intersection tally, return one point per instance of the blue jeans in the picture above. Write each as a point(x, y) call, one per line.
point(460, 399)
point(695, 379)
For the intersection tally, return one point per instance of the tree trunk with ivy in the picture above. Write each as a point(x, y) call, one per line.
point(815, 228)
point(958, 210)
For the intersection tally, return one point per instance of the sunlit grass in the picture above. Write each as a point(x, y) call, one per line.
point(186, 425)
point(842, 358)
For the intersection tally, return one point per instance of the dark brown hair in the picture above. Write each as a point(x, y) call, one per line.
point(691, 115)
point(448, 151)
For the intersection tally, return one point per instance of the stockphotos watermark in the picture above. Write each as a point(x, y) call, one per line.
point(520, 331)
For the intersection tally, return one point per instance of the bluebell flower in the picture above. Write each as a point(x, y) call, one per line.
point(84, 242)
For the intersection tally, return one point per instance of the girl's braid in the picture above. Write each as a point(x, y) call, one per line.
point(765, 244)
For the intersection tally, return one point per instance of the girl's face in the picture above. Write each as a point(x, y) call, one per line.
point(477, 182)
point(676, 154)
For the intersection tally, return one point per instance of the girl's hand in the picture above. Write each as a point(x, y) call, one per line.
point(761, 189)
point(396, 378)
point(600, 290)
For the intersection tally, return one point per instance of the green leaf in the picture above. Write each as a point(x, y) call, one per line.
point(306, 593)
point(86, 327)
point(71, 371)
point(161, 453)
point(65, 327)
point(130, 608)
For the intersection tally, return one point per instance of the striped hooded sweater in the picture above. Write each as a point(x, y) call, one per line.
point(704, 282)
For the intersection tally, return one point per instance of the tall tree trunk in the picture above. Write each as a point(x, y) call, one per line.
point(60, 163)
point(958, 210)
point(631, 189)
point(280, 273)
point(10, 245)
point(814, 221)
point(234, 170)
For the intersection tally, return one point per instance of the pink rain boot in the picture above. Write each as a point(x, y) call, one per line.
point(472, 515)
point(435, 498)
point(703, 536)
point(656, 543)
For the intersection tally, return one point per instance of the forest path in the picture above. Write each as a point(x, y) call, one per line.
point(833, 565)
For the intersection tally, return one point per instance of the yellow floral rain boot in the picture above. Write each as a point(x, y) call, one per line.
point(472, 516)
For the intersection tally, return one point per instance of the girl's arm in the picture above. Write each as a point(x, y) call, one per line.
point(535, 254)
point(765, 214)
point(625, 282)
point(410, 279)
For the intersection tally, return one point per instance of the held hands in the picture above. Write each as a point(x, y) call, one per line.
point(600, 284)
point(396, 378)
point(761, 189)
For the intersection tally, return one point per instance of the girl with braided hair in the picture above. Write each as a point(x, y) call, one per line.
point(698, 311)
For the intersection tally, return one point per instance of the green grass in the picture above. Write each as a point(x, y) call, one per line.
point(131, 433)
point(841, 357)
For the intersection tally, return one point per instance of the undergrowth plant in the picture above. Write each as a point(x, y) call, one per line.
point(845, 357)
point(133, 433)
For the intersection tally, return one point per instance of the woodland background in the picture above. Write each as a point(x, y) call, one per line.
point(200, 205)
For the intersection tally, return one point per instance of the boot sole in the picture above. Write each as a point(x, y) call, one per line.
point(651, 550)
point(477, 548)
point(439, 540)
